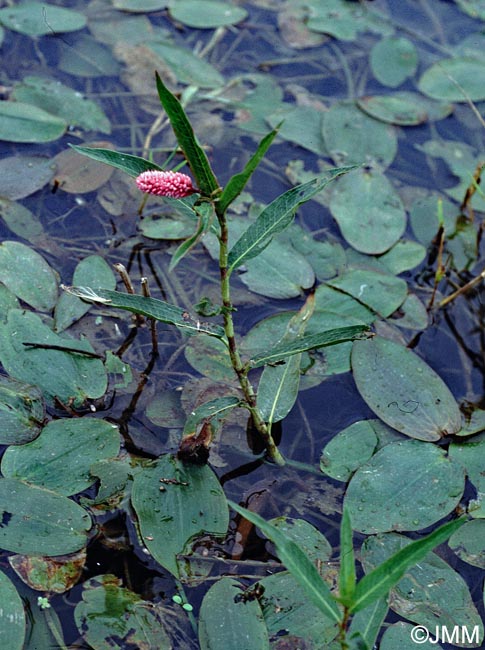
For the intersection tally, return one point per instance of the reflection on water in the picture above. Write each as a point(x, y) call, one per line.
point(249, 77)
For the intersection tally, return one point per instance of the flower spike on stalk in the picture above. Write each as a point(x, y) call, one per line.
point(172, 184)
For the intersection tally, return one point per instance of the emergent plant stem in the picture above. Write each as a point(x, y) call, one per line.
point(240, 370)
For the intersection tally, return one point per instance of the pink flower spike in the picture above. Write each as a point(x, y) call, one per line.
point(173, 184)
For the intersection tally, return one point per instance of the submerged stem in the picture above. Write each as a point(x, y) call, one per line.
point(240, 370)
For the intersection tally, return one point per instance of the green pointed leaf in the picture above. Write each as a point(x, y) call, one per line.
point(150, 307)
point(347, 576)
point(384, 577)
point(205, 212)
point(403, 390)
point(36, 521)
point(295, 560)
point(278, 216)
point(236, 183)
point(168, 518)
point(195, 155)
point(131, 165)
point(236, 624)
point(307, 342)
point(12, 616)
point(381, 497)
point(61, 457)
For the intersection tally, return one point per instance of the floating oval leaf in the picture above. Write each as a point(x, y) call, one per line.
point(403, 109)
point(85, 57)
point(352, 137)
point(368, 211)
point(61, 457)
point(455, 80)
point(26, 123)
point(399, 635)
point(66, 103)
point(381, 292)
point(348, 450)
point(188, 68)
point(12, 616)
point(39, 522)
point(393, 60)
point(92, 271)
point(238, 624)
point(34, 171)
point(27, 275)
point(21, 221)
point(22, 412)
point(63, 368)
point(430, 594)
point(110, 616)
point(468, 543)
point(78, 175)
point(174, 502)
point(141, 6)
point(206, 14)
point(40, 18)
point(403, 390)
point(48, 574)
point(405, 486)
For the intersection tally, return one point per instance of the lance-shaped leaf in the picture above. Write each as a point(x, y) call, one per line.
point(297, 563)
point(204, 212)
point(278, 216)
point(149, 307)
point(347, 579)
point(380, 581)
point(131, 165)
point(195, 155)
point(236, 184)
point(307, 342)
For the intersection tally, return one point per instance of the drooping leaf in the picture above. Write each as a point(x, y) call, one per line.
point(64, 102)
point(295, 560)
point(236, 183)
point(150, 307)
point(403, 390)
point(110, 616)
point(175, 502)
point(238, 624)
point(131, 165)
point(278, 216)
point(39, 522)
point(195, 155)
point(21, 122)
point(211, 14)
point(26, 273)
point(61, 457)
point(22, 411)
point(40, 18)
point(63, 368)
point(405, 486)
point(369, 212)
point(425, 587)
point(12, 616)
point(393, 60)
point(306, 342)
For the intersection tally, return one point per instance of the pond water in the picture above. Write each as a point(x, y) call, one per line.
point(390, 426)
